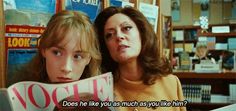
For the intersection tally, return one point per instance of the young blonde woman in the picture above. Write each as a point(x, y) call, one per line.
point(68, 51)
point(130, 50)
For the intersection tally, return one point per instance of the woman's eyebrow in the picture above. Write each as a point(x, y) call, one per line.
point(109, 29)
point(125, 23)
point(59, 47)
point(79, 51)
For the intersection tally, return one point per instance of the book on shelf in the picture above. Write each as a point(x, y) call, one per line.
point(219, 98)
point(201, 93)
point(178, 47)
point(232, 21)
point(191, 35)
point(228, 60)
point(220, 29)
point(34, 96)
point(221, 46)
point(184, 61)
point(178, 35)
point(194, 93)
point(211, 41)
point(231, 43)
point(188, 47)
point(232, 93)
point(202, 38)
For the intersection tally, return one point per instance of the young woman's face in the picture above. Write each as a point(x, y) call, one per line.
point(122, 38)
point(65, 62)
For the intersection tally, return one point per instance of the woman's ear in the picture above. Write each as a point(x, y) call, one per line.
point(43, 52)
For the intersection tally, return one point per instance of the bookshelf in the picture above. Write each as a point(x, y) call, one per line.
point(2, 47)
point(217, 34)
point(231, 34)
point(190, 34)
point(218, 81)
point(190, 75)
point(181, 41)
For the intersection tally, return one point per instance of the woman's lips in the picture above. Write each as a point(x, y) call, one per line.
point(64, 79)
point(122, 47)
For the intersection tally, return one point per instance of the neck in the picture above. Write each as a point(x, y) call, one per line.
point(131, 71)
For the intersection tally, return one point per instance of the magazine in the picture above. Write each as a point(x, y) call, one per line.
point(34, 96)
point(28, 12)
point(120, 3)
point(89, 7)
point(152, 16)
point(21, 43)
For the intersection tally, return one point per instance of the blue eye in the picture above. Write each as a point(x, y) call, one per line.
point(57, 52)
point(78, 56)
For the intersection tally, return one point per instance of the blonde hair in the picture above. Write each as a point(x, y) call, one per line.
point(59, 25)
point(201, 45)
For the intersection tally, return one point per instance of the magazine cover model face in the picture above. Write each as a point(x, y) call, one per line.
point(122, 38)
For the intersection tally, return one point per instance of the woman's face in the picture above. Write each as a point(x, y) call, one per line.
point(122, 38)
point(202, 52)
point(66, 62)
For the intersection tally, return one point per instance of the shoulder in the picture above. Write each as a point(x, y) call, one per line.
point(170, 84)
point(169, 77)
point(169, 80)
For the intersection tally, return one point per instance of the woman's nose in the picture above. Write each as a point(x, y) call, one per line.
point(120, 35)
point(66, 66)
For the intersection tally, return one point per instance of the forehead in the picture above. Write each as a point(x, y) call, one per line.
point(73, 38)
point(118, 19)
point(70, 35)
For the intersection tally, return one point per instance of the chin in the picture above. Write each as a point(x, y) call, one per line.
point(126, 59)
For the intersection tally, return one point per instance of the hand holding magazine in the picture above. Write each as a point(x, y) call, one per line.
point(33, 96)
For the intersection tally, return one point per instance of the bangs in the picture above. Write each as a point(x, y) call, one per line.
point(78, 34)
point(84, 36)
point(59, 36)
point(54, 35)
point(82, 39)
point(61, 31)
